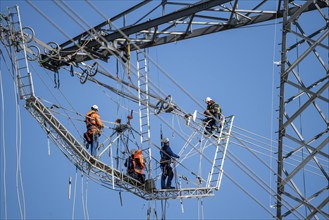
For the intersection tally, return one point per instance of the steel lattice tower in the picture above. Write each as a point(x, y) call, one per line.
point(303, 116)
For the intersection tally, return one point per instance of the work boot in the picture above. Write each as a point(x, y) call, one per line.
point(170, 187)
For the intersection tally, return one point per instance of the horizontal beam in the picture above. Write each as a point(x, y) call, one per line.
point(167, 36)
point(126, 31)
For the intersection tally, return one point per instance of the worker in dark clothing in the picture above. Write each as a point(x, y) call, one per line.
point(129, 163)
point(167, 173)
point(94, 129)
point(212, 115)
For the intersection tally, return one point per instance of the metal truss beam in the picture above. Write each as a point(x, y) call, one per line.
point(97, 170)
point(189, 19)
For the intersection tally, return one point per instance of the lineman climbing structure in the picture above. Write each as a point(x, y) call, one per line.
point(300, 94)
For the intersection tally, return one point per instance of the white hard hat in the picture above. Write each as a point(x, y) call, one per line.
point(95, 107)
point(133, 151)
point(208, 99)
point(165, 140)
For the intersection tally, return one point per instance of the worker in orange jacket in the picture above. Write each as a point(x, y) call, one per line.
point(135, 165)
point(94, 129)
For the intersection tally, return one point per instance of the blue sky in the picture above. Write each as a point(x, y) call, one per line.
point(234, 67)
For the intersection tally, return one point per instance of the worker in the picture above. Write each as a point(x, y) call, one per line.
point(122, 127)
point(135, 165)
point(129, 163)
point(166, 158)
point(139, 165)
point(212, 115)
point(94, 129)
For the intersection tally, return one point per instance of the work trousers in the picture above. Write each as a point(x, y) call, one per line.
point(168, 174)
point(94, 144)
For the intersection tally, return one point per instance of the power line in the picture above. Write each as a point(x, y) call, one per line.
point(3, 144)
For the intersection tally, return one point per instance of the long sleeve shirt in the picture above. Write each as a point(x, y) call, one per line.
point(93, 121)
point(167, 153)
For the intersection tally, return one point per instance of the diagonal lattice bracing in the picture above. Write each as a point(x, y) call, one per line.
point(304, 111)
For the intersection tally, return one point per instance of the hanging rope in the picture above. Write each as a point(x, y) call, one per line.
point(70, 104)
point(19, 179)
point(200, 209)
point(70, 188)
point(3, 144)
point(82, 198)
point(74, 194)
point(272, 104)
point(163, 208)
point(87, 213)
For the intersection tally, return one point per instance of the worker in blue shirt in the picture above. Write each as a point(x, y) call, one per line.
point(166, 158)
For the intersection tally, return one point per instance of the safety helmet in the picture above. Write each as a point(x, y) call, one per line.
point(165, 140)
point(208, 99)
point(94, 107)
point(133, 151)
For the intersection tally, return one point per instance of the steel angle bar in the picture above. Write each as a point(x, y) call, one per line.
point(215, 20)
point(309, 95)
point(310, 44)
point(323, 204)
point(304, 90)
point(181, 193)
point(301, 57)
point(307, 38)
point(107, 22)
point(232, 12)
point(294, 128)
point(325, 174)
point(257, 6)
point(309, 199)
point(306, 144)
point(189, 11)
point(319, 8)
point(238, 14)
point(300, 10)
point(110, 144)
point(156, 22)
point(308, 87)
point(305, 161)
point(302, 200)
point(188, 28)
point(306, 104)
point(216, 28)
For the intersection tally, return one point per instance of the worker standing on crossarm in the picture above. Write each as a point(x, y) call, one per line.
point(135, 165)
point(94, 129)
point(166, 158)
point(139, 165)
point(212, 114)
